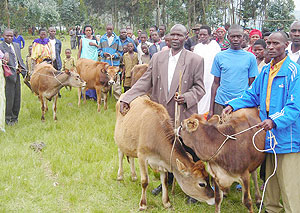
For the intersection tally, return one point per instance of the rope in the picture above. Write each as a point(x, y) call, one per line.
point(272, 147)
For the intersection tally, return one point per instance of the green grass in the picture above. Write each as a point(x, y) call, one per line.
point(77, 170)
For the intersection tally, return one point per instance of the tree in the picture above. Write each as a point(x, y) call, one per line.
point(280, 15)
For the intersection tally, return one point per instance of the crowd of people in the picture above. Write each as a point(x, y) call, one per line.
point(220, 71)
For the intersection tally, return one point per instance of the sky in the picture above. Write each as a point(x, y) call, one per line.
point(297, 4)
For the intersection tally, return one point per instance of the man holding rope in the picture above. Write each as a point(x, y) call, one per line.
point(277, 91)
point(169, 72)
point(12, 82)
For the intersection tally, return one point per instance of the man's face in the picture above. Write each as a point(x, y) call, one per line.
point(129, 33)
point(162, 30)
point(155, 36)
point(295, 33)
point(123, 34)
point(177, 38)
point(276, 45)
point(109, 30)
point(258, 51)
point(151, 30)
point(235, 37)
point(203, 36)
point(52, 32)
point(196, 32)
point(43, 34)
point(8, 36)
point(145, 49)
point(143, 38)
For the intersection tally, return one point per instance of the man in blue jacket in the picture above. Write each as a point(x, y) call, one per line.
point(111, 52)
point(277, 91)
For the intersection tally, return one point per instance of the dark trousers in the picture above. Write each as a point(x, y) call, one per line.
point(13, 99)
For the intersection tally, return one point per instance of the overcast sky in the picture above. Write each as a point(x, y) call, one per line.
point(297, 4)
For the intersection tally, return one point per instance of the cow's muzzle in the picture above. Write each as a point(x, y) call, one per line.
point(111, 82)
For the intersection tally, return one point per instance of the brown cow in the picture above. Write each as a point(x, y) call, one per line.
point(146, 133)
point(47, 81)
point(236, 159)
point(99, 76)
point(137, 72)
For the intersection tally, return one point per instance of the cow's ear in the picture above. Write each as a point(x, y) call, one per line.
point(182, 168)
point(192, 125)
point(214, 120)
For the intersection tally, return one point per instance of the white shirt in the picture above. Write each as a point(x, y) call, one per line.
point(140, 52)
point(110, 39)
point(52, 42)
point(294, 56)
point(171, 66)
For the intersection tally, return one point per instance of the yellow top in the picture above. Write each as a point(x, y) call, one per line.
point(41, 52)
point(69, 64)
point(129, 63)
point(273, 72)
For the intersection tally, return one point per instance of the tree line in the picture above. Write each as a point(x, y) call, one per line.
point(270, 14)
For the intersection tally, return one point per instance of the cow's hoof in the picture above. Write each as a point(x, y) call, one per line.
point(105, 108)
point(143, 208)
point(167, 205)
point(119, 178)
point(134, 178)
point(55, 119)
point(98, 110)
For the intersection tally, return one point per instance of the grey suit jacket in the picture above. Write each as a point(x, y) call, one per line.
point(11, 63)
point(156, 78)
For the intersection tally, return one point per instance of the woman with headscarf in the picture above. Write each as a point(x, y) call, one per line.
point(254, 35)
point(221, 38)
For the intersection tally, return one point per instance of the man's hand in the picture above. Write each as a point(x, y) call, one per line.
point(210, 114)
point(179, 99)
point(6, 58)
point(266, 124)
point(93, 44)
point(124, 108)
point(227, 110)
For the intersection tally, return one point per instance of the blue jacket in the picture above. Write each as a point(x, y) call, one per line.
point(153, 48)
point(20, 40)
point(127, 41)
point(114, 49)
point(284, 104)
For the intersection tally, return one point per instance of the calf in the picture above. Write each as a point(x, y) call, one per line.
point(47, 81)
point(99, 76)
point(146, 133)
point(234, 161)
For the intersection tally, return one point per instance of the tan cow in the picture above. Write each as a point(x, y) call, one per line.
point(236, 159)
point(47, 81)
point(137, 72)
point(99, 76)
point(146, 133)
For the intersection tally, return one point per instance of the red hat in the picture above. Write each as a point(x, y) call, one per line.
point(255, 32)
point(221, 28)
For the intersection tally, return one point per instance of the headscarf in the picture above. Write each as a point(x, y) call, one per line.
point(255, 32)
point(221, 28)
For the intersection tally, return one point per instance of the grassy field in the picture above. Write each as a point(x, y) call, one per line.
point(77, 170)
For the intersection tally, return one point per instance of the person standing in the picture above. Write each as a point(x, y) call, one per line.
point(88, 48)
point(19, 39)
point(162, 31)
point(157, 45)
point(56, 49)
point(254, 35)
point(72, 34)
point(12, 82)
point(130, 59)
point(165, 70)
point(143, 38)
point(207, 49)
point(231, 79)
point(221, 38)
point(279, 114)
point(125, 39)
point(259, 50)
point(41, 49)
point(294, 46)
point(111, 51)
point(190, 42)
point(2, 92)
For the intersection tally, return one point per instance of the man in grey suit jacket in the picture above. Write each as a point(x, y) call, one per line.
point(163, 76)
point(12, 82)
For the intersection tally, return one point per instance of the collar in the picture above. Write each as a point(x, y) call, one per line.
point(8, 44)
point(278, 65)
point(176, 57)
point(41, 41)
point(289, 49)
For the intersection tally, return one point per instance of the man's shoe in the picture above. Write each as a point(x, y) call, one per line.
point(191, 200)
point(157, 190)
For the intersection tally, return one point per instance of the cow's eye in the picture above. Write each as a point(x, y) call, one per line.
point(202, 184)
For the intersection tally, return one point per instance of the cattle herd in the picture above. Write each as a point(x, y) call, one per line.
point(146, 132)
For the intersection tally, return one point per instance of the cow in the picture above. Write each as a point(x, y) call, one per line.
point(236, 159)
point(146, 133)
point(99, 76)
point(47, 81)
point(137, 72)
